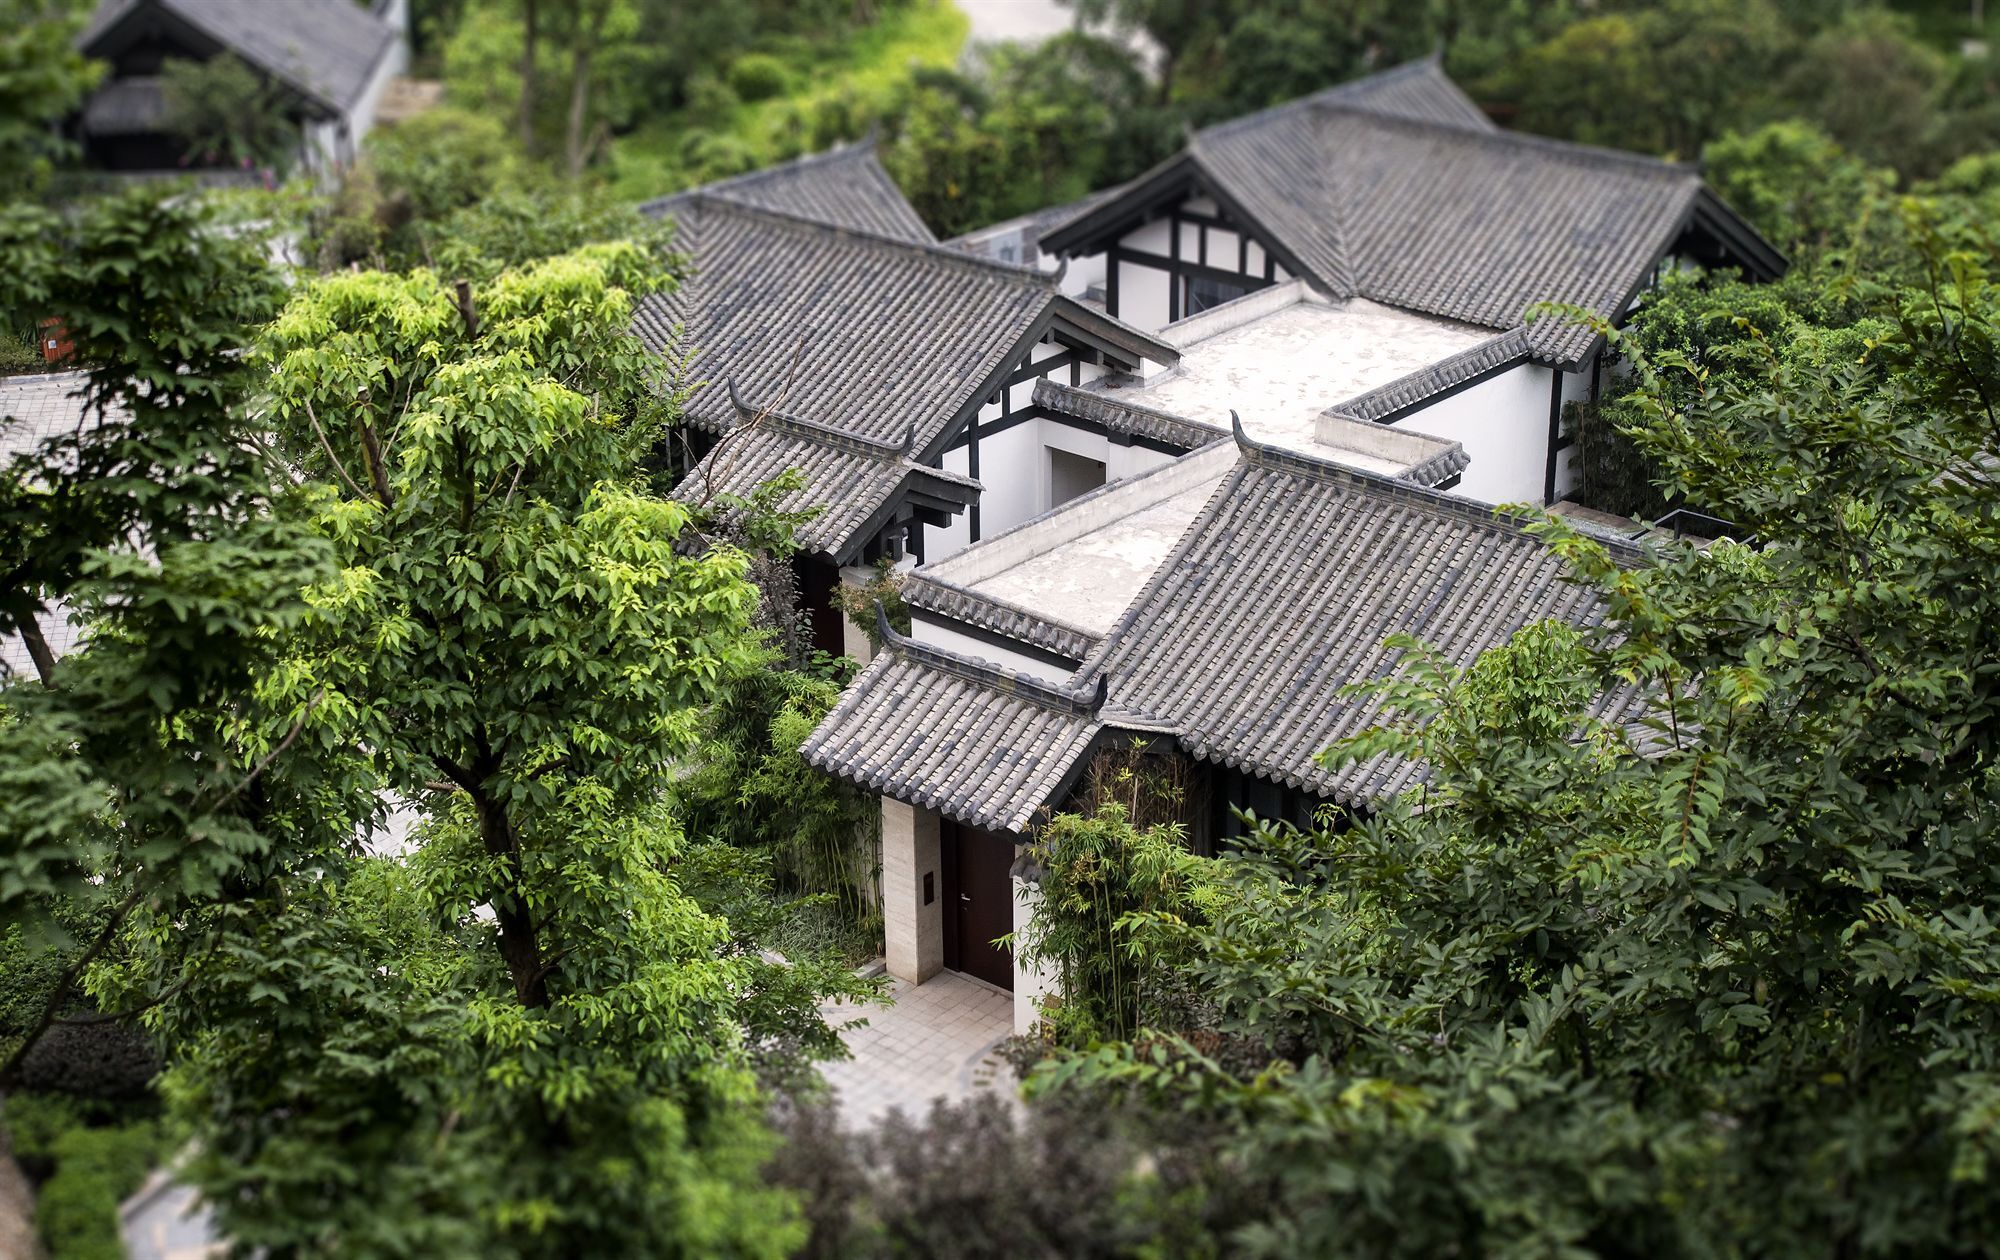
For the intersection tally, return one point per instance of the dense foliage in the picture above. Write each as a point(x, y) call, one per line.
point(227, 114)
point(1719, 984)
point(359, 783)
point(42, 78)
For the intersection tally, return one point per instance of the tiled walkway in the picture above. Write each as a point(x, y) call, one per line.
point(939, 1040)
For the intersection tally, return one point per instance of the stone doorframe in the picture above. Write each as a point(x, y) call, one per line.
point(913, 907)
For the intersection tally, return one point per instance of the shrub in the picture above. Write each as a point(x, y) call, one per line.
point(758, 77)
point(709, 98)
point(983, 1178)
point(110, 1060)
point(442, 159)
point(76, 1210)
point(87, 1158)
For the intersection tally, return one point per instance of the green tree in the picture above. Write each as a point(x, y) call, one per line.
point(1718, 983)
point(42, 78)
point(1802, 190)
point(130, 783)
point(228, 114)
point(543, 1044)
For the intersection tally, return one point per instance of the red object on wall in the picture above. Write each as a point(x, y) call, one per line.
point(56, 345)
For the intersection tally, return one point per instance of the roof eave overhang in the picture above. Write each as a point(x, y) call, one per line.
point(1715, 215)
point(1160, 186)
point(1171, 181)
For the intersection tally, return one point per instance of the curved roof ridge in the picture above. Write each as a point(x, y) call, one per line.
point(712, 203)
point(1582, 154)
point(841, 150)
point(1411, 388)
point(1414, 494)
point(1074, 701)
point(1428, 65)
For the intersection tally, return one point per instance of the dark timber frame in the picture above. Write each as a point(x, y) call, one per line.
point(1160, 195)
point(1066, 325)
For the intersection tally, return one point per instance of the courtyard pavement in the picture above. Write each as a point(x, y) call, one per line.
point(940, 1039)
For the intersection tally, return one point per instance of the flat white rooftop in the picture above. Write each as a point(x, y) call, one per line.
point(1279, 358)
point(1088, 580)
point(1280, 368)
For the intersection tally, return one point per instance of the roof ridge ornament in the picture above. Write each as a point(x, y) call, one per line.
point(1243, 442)
point(736, 397)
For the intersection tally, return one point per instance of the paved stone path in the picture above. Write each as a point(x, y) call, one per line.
point(939, 1040)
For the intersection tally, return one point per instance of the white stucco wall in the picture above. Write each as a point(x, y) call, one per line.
point(1142, 295)
point(1031, 982)
point(1143, 291)
point(1576, 388)
point(1504, 424)
point(1011, 467)
point(935, 634)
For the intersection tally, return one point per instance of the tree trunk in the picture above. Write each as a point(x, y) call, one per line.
point(38, 650)
point(579, 102)
point(518, 946)
point(528, 77)
point(575, 147)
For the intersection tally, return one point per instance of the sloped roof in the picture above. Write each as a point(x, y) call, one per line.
point(854, 481)
point(876, 338)
point(1385, 402)
point(858, 332)
point(1394, 188)
point(326, 50)
point(126, 107)
point(844, 186)
point(1472, 226)
point(1280, 594)
point(983, 744)
point(1118, 416)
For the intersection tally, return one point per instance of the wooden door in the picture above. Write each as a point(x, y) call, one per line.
point(978, 901)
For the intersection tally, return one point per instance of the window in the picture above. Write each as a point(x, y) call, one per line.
point(1204, 292)
point(1072, 475)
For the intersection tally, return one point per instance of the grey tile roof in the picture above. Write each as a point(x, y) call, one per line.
point(935, 594)
point(844, 186)
point(1396, 189)
point(878, 338)
point(856, 482)
point(1123, 417)
point(1282, 592)
point(126, 107)
point(1406, 392)
point(1473, 226)
point(983, 744)
point(858, 332)
point(325, 49)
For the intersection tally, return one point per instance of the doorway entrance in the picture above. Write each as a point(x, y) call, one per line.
point(978, 901)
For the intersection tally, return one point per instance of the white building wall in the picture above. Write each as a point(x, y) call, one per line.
point(1031, 983)
point(939, 543)
point(1142, 295)
point(930, 632)
point(1504, 424)
point(1081, 275)
point(1144, 291)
